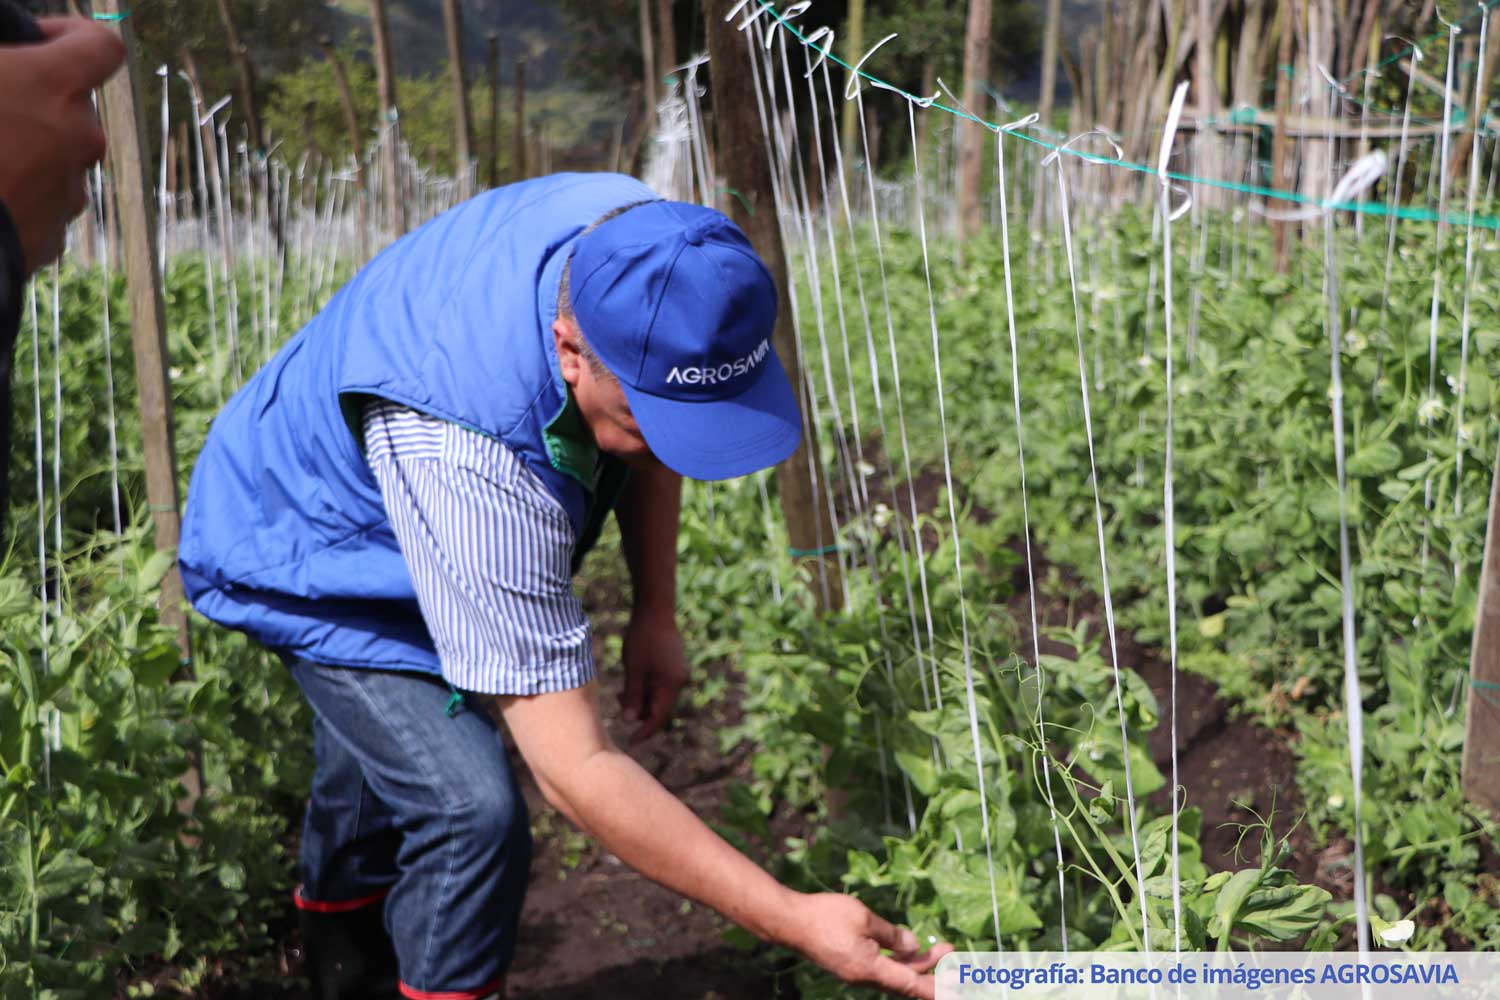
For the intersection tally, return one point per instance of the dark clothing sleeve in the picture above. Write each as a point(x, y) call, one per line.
point(12, 282)
point(16, 26)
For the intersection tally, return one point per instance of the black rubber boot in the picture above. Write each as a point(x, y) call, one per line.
point(349, 956)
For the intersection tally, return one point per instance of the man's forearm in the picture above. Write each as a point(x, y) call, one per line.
point(645, 826)
point(648, 514)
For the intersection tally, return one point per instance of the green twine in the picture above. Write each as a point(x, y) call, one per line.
point(455, 702)
point(730, 190)
point(122, 15)
point(1407, 212)
point(826, 550)
point(1488, 690)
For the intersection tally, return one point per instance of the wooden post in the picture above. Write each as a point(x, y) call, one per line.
point(356, 142)
point(127, 148)
point(1287, 20)
point(854, 48)
point(742, 154)
point(385, 82)
point(666, 39)
point(1481, 765)
point(492, 68)
point(463, 133)
point(972, 137)
point(246, 75)
point(1049, 62)
point(518, 128)
point(648, 64)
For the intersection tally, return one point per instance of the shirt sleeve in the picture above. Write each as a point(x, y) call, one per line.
point(489, 552)
point(12, 283)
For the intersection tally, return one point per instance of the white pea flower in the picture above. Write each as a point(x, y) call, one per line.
point(1144, 361)
point(1335, 802)
point(1452, 382)
point(1466, 432)
point(866, 469)
point(1398, 933)
point(1430, 409)
point(882, 516)
point(1354, 342)
point(174, 372)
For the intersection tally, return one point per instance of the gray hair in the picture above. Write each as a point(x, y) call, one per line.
point(565, 297)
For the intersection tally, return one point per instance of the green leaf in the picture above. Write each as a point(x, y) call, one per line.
point(1229, 900)
point(1374, 460)
point(155, 666)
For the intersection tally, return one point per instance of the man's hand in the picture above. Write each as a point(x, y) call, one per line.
point(51, 134)
point(655, 672)
point(840, 934)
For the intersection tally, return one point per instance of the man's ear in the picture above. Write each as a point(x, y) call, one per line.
point(569, 355)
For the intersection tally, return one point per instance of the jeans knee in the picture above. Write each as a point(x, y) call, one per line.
point(493, 823)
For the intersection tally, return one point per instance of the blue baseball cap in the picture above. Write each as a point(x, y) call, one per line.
point(676, 304)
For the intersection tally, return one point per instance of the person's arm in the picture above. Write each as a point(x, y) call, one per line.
point(655, 664)
point(591, 781)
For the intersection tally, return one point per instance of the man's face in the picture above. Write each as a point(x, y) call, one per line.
point(600, 400)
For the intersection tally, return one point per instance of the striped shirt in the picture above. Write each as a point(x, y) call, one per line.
point(489, 551)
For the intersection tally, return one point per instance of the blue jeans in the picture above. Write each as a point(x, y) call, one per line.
point(418, 808)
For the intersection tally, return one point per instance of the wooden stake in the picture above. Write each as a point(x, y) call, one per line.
point(666, 39)
point(742, 154)
point(972, 137)
point(854, 48)
point(148, 325)
point(492, 69)
point(246, 74)
point(648, 64)
point(385, 82)
point(463, 134)
point(1283, 106)
point(1481, 764)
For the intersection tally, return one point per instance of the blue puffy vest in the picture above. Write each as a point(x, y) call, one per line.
point(285, 535)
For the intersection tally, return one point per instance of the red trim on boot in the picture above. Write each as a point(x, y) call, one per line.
point(336, 906)
point(475, 994)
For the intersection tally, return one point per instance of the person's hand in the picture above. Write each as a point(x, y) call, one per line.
point(843, 936)
point(655, 673)
point(49, 131)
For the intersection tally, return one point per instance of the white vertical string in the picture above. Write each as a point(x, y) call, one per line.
point(958, 569)
point(1395, 186)
point(810, 261)
point(1109, 607)
point(204, 211)
point(57, 448)
point(1353, 708)
point(1169, 505)
point(1437, 276)
point(109, 372)
point(1463, 363)
point(902, 525)
point(39, 459)
point(1036, 648)
point(161, 190)
point(786, 206)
